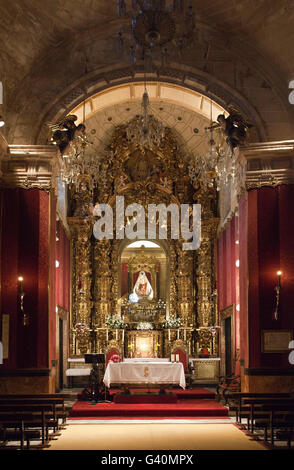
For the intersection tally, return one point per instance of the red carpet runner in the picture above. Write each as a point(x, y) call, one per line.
point(195, 403)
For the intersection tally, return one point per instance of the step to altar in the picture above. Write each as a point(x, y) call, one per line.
point(193, 393)
point(182, 409)
point(145, 398)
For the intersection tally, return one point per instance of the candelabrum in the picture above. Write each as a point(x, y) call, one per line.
point(277, 291)
point(21, 294)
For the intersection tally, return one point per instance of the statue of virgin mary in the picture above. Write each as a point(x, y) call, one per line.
point(142, 289)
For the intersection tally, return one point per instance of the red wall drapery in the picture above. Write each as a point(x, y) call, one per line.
point(28, 249)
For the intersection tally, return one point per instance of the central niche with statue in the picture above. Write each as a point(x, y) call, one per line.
point(143, 297)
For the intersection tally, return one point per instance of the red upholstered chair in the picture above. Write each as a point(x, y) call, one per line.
point(112, 352)
point(180, 349)
point(183, 357)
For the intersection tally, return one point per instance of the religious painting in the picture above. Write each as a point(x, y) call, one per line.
point(276, 341)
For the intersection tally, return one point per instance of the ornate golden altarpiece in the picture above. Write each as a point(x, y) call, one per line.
point(142, 176)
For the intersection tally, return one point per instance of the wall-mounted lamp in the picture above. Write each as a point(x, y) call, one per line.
point(2, 122)
point(21, 293)
point(277, 291)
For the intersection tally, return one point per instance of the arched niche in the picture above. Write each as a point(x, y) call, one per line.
point(150, 256)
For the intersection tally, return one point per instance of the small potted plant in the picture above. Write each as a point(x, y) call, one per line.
point(157, 346)
point(131, 348)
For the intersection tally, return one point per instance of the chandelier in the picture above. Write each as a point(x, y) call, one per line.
point(219, 165)
point(79, 161)
point(156, 31)
point(145, 130)
point(215, 168)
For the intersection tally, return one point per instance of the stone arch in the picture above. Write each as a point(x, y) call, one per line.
point(190, 79)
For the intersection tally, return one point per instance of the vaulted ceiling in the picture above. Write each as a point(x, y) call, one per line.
point(244, 54)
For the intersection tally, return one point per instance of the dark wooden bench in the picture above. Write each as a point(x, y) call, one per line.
point(21, 435)
point(37, 395)
point(20, 417)
point(43, 411)
point(267, 411)
point(57, 404)
point(234, 399)
point(256, 406)
point(280, 417)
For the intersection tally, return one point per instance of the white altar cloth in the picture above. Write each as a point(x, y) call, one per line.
point(145, 373)
point(147, 359)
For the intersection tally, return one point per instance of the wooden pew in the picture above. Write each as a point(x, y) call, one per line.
point(235, 400)
point(37, 395)
point(41, 411)
point(280, 416)
point(267, 411)
point(56, 403)
point(20, 417)
point(258, 404)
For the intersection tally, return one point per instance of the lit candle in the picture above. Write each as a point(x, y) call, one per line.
point(177, 357)
point(185, 337)
point(107, 334)
point(116, 334)
point(172, 357)
point(20, 279)
point(178, 334)
point(169, 334)
point(123, 336)
point(279, 273)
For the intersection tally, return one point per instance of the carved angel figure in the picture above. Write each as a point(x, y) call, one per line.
point(65, 131)
point(235, 127)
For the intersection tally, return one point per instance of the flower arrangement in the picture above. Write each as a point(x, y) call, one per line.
point(114, 322)
point(144, 325)
point(115, 358)
point(173, 322)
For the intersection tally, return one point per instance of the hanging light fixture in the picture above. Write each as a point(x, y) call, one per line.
point(218, 166)
point(145, 130)
point(156, 32)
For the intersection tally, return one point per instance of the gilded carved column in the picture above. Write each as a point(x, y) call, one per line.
point(205, 270)
point(173, 286)
point(205, 282)
point(81, 230)
point(185, 285)
point(114, 275)
point(103, 281)
point(102, 290)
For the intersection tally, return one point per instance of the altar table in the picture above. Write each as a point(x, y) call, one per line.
point(155, 373)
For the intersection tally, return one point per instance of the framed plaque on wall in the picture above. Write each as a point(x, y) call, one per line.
point(276, 341)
